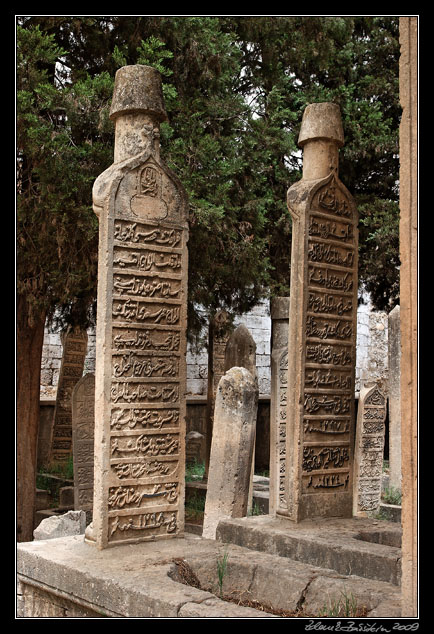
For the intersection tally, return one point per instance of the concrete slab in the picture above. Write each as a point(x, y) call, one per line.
point(67, 577)
point(351, 546)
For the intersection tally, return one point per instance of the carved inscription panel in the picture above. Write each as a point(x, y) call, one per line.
point(369, 449)
point(330, 301)
point(74, 353)
point(83, 427)
point(143, 376)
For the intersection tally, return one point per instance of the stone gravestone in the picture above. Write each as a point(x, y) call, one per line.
point(394, 354)
point(71, 369)
point(241, 351)
point(369, 449)
point(83, 426)
point(140, 376)
point(218, 337)
point(231, 449)
point(278, 398)
point(322, 327)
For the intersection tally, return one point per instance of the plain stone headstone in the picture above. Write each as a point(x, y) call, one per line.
point(241, 350)
point(70, 523)
point(231, 449)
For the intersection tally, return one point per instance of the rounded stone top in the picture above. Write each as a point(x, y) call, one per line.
point(138, 89)
point(321, 121)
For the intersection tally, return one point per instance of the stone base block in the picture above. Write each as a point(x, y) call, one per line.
point(355, 546)
point(68, 578)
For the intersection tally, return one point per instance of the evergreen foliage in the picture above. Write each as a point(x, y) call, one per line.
point(235, 89)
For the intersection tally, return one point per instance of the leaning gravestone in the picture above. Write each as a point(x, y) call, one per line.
point(369, 449)
point(140, 376)
point(278, 397)
point(71, 370)
point(231, 449)
point(322, 327)
point(83, 427)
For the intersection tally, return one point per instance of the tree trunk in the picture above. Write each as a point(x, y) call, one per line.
point(30, 339)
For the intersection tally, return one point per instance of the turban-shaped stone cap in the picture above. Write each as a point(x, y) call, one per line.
point(138, 89)
point(321, 121)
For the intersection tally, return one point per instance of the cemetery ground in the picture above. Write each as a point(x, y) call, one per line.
point(227, 577)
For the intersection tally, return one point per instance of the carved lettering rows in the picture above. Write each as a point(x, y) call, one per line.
point(145, 442)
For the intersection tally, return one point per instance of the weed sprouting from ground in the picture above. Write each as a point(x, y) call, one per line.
point(344, 607)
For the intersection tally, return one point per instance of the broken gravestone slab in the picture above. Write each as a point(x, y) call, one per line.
point(70, 523)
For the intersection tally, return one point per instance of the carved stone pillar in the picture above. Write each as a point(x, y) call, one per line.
point(322, 327)
point(140, 374)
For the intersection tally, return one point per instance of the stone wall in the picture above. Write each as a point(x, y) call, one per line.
point(371, 363)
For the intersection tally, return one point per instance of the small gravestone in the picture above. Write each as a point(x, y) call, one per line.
point(231, 449)
point(83, 433)
point(278, 397)
point(219, 333)
point(241, 351)
point(369, 449)
point(71, 370)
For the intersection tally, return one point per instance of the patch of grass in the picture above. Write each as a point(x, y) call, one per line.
point(255, 510)
point(61, 469)
point(194, 506)
point(222, 565)
point(194, 471)
point(344, 607)
point(391, 495)
point(265, 473)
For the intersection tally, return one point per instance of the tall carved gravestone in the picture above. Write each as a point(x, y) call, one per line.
point(369, 449)
point(140, 377)
point(278, 397)
point(83, 426)
point(322, 326)
point(71, 369)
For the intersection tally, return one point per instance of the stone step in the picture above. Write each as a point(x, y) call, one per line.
point(355, 546)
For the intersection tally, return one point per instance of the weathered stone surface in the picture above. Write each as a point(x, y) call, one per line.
point(369, 449)
point(322, 328)
point(241, 350)
point(140, 373)
point(408, 251)
point(71, 370)
point(278, 401)
point(83, 434)
point(143, 581)
point(394, 385)
point(71, 523)
point(219, 332)
point(231, 448)
point(351, 546)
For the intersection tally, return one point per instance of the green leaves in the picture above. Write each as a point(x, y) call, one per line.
point(235, 89)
